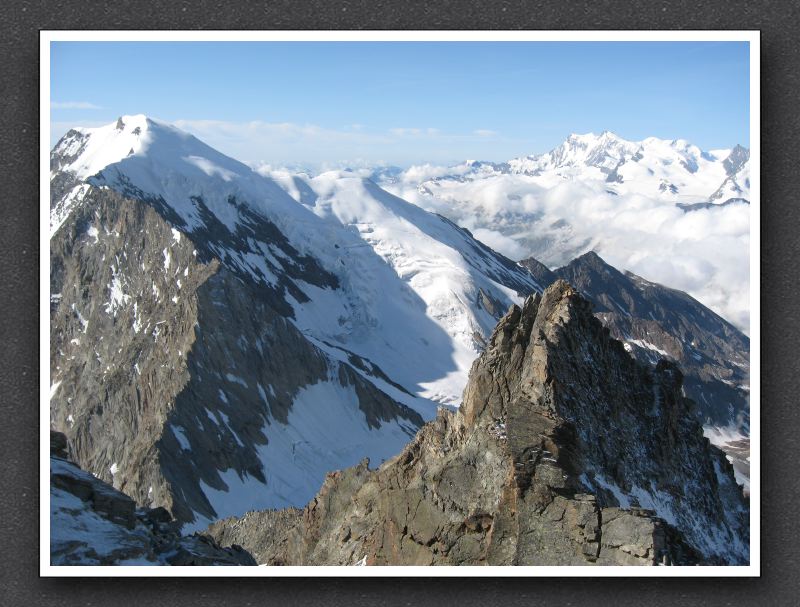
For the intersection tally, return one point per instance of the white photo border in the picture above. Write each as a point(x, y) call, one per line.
point(753, 37)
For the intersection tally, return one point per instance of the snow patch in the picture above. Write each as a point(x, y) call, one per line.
point(53, 388)
point(116, 297)
point(622, 499)
point(236, 379)
point(326, 430)
point(180, 434)
point(648, 346)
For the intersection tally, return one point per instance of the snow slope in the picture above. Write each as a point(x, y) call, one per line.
point(406, 268)
point(315, 433)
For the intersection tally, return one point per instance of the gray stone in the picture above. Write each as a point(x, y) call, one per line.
point(712, 354)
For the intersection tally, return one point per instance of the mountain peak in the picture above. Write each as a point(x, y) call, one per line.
point(86, 151)
point(608, 135)
point(591, 259)
point(590, 256)
point(593, 138)
point(589, 269)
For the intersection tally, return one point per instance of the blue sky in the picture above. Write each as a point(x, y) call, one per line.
point(406, 102)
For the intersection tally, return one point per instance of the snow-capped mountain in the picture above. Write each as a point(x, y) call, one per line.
point(218, 344)
point(671, 170)
point(445, 275)
point(663, 209)
point(737, 184)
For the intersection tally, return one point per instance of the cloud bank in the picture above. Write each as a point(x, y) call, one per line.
point(704, 252)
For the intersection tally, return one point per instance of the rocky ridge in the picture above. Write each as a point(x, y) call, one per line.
point(655, 322)
point(565, 451)
point(94, 524)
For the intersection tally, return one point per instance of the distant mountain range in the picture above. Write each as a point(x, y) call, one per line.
point(673, 170)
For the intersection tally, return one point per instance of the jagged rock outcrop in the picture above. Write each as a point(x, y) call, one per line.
point(91, 523)
point(656, 322)
point(565, 451)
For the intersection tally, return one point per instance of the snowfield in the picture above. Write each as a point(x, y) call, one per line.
point(316, 432)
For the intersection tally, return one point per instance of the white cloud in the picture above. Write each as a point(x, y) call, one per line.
point(705, 252)
point(484, 133)
point(500, 243)
point(73, 105)
point(415, 132)
point(424, 172)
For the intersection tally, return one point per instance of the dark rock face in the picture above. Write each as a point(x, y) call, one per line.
point(58, 444)
point(565, 451)
point(656, 322)
point(94, 524)
point(164, 360)
point(736, 160)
